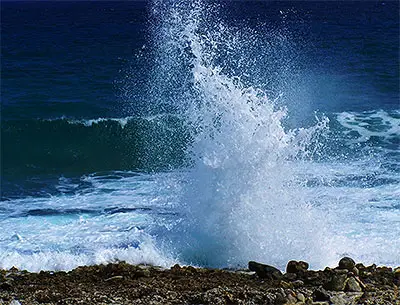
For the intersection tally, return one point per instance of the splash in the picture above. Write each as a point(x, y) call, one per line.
point(241, 198)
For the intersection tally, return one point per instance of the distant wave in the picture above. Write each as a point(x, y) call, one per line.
point(89, 145)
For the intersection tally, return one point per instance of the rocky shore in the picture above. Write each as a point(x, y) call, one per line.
point(121, 283)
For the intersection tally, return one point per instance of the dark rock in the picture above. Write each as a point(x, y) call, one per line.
point(317, 278)
point(6, 285)
point(321, 294)
point(176, 268)
point(265, 271)
point(298, 283)
point(295, 267)
point(337, 282)
point(290, 276)
point(13, 269)
point(397, 273)
point(347, 263)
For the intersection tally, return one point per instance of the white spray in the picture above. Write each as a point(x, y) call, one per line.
point(241, 198)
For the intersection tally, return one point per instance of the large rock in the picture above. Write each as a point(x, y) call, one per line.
point(321, 294)
point(337, 282)
point(265, 271)
point(353, 285)
point(347, 263)
point(296, 267)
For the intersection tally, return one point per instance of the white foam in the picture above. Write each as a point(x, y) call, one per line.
point(100, 224)
point(366, 123)
point(63, 260)
point(91, 122)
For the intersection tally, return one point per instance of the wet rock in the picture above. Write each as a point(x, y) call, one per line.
point(321, 294)
point(295, 266)
point(347, 263)
point(265, 271)
point(353, 285)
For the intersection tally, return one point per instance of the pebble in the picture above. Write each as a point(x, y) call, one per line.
point(117, 277)
point(301, 297)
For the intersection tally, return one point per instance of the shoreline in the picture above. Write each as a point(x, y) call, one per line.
point(122, 283)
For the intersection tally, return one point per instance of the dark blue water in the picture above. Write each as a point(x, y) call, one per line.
point(86, 91)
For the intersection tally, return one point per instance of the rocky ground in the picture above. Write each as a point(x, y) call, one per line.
point(122, 283)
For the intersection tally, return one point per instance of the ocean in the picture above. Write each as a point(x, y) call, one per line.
point(199, 132)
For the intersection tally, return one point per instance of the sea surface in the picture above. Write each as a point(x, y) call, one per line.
point(199, 132)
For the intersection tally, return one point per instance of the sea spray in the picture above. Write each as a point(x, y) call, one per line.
point(241, 199)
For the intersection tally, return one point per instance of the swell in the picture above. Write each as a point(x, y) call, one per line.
point(62, 146)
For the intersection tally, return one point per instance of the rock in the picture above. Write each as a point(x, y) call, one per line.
point(291, 299)
point(113, 278)
point(15, 302)
point(347, 263)
point(301, 297)
point(265, 271)
point(290, 276)
point(355, 271)
point(321, 294)
point(337, 282)
point(13, 269)
point(353, 285)
point(176, 267)
point(338, 300)
point(298, 283)
point(295, 267)
point(6, 285)
point(286, 285)
point(280, 298)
